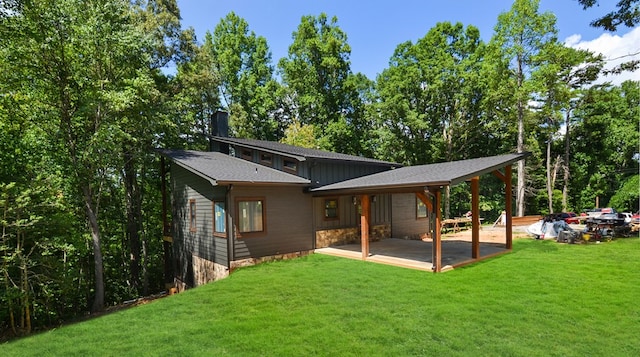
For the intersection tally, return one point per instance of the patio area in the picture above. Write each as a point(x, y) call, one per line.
point(417, 254)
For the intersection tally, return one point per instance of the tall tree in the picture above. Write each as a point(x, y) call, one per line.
point(316, 69)
point(605, 142)
point(563, 71)
point(89, 67)
point(243, 62)
point(520, 34)
point(431, 95)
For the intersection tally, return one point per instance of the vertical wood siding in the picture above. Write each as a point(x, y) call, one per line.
point(348, 216)
point(404, 223)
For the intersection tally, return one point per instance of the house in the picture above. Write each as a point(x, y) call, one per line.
point(248, 201)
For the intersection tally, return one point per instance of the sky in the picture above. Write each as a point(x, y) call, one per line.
point(374, 28)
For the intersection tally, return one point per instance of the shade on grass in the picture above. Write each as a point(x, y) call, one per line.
point(542, 299)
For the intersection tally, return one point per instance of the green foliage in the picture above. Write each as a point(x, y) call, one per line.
point(430, 98)
point(243, 64)
point(627, 198)
point(604, 142)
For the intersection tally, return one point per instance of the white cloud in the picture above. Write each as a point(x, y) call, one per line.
point(615, 49)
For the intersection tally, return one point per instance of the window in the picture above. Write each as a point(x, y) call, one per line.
point(192, 215)
point(266, 159)
point(290, 165)
point(247, 154)
point(421, 209)
point(219, 218)
point(251, 215)
point(331, 209)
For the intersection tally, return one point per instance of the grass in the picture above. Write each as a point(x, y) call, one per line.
point(543, 299)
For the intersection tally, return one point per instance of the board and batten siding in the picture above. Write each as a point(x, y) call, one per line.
point(323, 173)
point(187, 186)
point(404, 221)
point(348, 216)
point(288, 218)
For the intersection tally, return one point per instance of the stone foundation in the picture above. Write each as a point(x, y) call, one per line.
point(271, 258)
point(341, 236)
point(206, 271)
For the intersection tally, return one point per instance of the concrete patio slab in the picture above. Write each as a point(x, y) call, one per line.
point(416, 254)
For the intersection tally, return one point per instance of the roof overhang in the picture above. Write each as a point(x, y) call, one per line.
point(420, 178)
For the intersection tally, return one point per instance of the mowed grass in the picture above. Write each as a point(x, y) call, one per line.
point(543, 299)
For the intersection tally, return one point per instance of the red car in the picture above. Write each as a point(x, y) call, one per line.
point(569, 217)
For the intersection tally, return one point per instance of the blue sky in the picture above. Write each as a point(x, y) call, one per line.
point(374, 28)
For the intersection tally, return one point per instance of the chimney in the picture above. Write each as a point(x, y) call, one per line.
point(219, 127)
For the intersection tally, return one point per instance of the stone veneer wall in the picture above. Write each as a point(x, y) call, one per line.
point(206, 271)
point(340, 236)
point(254, 261)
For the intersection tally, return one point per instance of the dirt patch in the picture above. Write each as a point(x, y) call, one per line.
point(489, 234)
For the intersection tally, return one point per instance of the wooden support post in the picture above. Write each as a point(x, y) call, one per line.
point(437, 239)
point(475, 217)
point(507, 203)
point(364, 225)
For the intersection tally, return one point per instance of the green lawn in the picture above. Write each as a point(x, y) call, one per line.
point(543, 299)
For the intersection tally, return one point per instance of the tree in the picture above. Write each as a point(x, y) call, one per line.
point(316, 69)
point(83, 67)
point(243, 62)
point(627, 13)
point(520, 34)
point(562, 72)
point(605, 139)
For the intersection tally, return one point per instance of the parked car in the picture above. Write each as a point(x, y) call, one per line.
point(636, 218)
point(569, 217)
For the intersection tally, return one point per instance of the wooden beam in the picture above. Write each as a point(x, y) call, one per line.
point(364, 225)
point(499, 175)
point(426, 200)
point(437, 239)
point(475, 217)
point(507, 203)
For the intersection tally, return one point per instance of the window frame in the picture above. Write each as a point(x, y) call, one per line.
point(251, 234)
point(224, 218)
point(289, 169)
point(246, 154)
point(266, 159)
point(337, 209)
point(193, 215)
point(426, 209)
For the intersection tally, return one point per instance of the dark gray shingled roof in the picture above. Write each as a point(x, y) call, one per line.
point(442, 174)
point(221, 168)
point(299, 153)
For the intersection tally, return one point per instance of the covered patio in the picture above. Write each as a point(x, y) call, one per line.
point(427, 182)
point(416, 254)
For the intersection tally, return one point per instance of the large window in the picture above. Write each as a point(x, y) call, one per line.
point(251, 213)
point(219, 218)
point(331, 209)
point(421, 209)
point(192, 215)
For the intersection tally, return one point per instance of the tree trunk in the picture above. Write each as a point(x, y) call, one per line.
point(520, 144)
point(549, 183)
point(92, 218)
point(565, 185)
point(133, 209)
